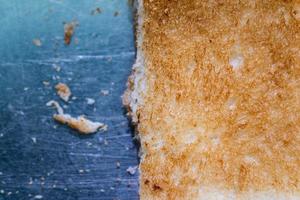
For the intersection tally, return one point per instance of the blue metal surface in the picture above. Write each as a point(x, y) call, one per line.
point(40, 159)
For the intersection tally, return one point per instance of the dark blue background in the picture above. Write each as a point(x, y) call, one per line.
point(62, 164)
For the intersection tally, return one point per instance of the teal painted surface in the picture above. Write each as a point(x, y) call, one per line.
point(62, 164)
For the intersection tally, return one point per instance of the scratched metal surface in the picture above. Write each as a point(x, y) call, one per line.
point(40, 159)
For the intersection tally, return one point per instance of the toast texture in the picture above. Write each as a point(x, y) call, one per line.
point(215, 97)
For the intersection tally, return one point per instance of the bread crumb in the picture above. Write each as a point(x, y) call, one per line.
point(57, 67)
point(63, 91)
point(37, 42)
point(80, 123)
point(96, 11)
point(131, 170)
point(69, 31)
point(55, 77)
point(38, 196)
point(33, 139)
point(105, 142)
point(104, 92)
point(90, 101)
point(46, 83)
point(118, 164)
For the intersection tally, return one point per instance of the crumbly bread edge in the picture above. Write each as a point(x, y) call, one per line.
point(133, 100)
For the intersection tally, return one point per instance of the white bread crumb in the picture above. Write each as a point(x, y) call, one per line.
point(104, 92)
point(33, 139)
point(37, 42)
point(56, 67)
point(90, 101)
point(38, 196)
point(131, 170)
point(46, 83)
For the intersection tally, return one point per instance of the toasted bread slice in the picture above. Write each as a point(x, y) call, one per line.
point(215, 95)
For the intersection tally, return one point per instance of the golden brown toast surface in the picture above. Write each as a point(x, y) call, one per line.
point(222, 107)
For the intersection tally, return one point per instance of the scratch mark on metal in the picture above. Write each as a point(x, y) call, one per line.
point(99, 156)
point(67, 8)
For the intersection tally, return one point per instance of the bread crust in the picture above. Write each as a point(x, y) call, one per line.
point(217, 99)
